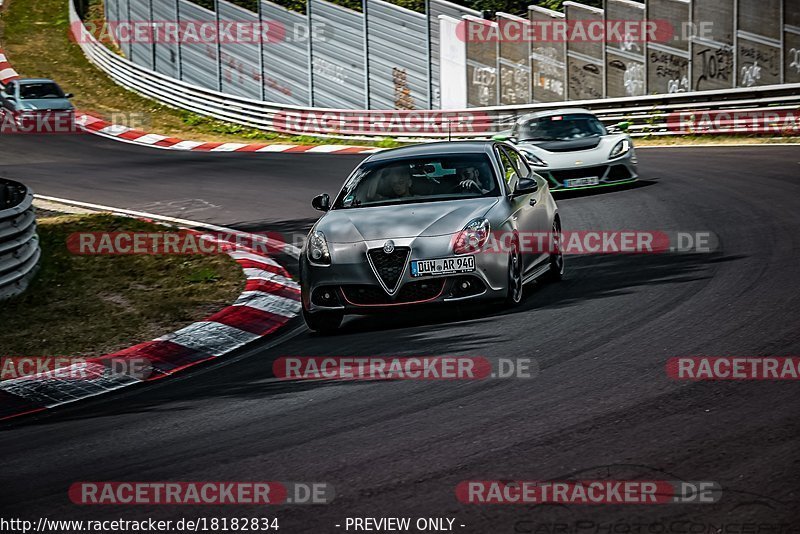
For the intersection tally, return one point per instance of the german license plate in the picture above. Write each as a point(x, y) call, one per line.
point(456, 264)
point(581, 182)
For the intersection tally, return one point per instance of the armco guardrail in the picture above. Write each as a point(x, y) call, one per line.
point(19, 244)
point(647, 115)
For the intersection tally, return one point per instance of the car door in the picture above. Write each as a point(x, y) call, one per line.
point(519, 205)
point(532, 219)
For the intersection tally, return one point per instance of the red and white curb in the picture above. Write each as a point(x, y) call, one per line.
point(98, 126)
point(270, 299)
point(7, 72)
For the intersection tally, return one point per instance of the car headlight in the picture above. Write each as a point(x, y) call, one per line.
point(317, 249)
point(533, 159)
point(473, 236)
point(620, 149)
point(26, 116)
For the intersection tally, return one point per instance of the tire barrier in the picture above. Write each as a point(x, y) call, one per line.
point(19, 244)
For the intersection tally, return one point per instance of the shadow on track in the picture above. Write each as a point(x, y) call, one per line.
point(565, 194)
point(587, 277)
point(425, 331)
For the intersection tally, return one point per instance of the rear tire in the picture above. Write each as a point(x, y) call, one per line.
point(556, 272)
point(323, 322)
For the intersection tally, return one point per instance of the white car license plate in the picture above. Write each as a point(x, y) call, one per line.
point(456, 264)
point(580, 182)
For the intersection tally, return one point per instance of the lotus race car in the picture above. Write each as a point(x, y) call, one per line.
point(573, 150)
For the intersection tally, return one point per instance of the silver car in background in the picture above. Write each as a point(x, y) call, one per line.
point(573, 150)
point(410, 228)
point(25, 99)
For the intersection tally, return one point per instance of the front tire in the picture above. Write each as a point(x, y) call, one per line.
point(323, 322)
point(514, 295)
point(556, 272)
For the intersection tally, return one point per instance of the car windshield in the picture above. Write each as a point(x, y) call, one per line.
point(32, 91)
point(412, 180)
point(560, 128)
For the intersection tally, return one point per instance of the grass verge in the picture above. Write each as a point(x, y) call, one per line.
point(712, 140)
point(96, 305)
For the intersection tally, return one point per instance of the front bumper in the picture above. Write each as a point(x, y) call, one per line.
point(351, 283)
point(613, 172)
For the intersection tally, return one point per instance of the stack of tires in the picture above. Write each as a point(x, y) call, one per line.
point(19, 244)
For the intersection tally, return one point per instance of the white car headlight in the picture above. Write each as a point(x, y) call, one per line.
point(620, 149)
point(473, 236)
point(533, 159)
point(317, 249)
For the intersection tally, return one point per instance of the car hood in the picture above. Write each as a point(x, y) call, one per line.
point(567, 154)
point(571, 145)
point(38, 104)
point(425, 219)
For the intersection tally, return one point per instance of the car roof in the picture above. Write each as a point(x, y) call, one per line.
point(554, 112)
point(25, 81)
point(433, 149)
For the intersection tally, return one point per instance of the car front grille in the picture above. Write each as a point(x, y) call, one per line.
point(585, 172)
point(618, 173)
point(389, 267)
point(366, 295)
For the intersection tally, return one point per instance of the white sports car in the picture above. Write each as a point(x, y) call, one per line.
point(573, 150)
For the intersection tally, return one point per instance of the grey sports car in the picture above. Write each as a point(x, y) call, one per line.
point(25, 99)
point(573, 150)
point(413, 226)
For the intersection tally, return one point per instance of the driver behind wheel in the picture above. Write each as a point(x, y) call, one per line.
point(471, 178)
point(392, 183)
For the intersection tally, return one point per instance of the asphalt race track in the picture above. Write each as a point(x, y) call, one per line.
point(601, 408)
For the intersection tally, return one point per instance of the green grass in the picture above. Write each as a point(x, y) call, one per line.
point(95, 305)
point(711, 139)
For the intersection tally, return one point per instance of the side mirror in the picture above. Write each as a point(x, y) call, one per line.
point(321, 202)
point(526, 186)
point(68, 95)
